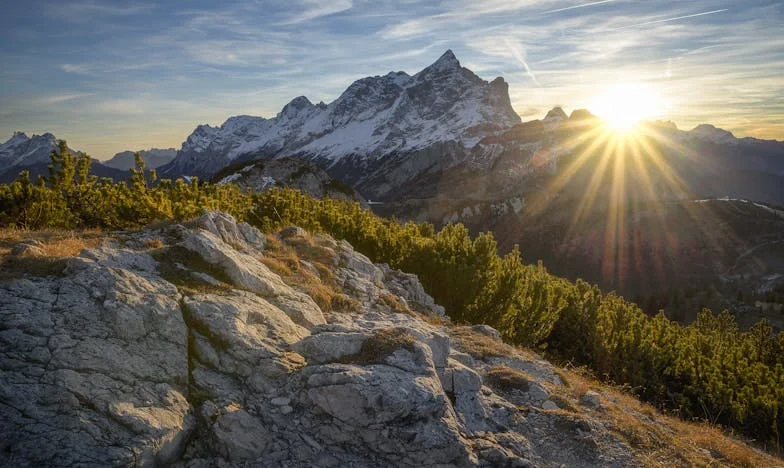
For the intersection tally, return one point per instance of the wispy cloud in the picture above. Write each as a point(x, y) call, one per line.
point(667, 20)
point(85, 11)
point(80, 69)
point(574, 7)
point(181, 63)
point(519, 53)
point(318, 8)
point(58, 99)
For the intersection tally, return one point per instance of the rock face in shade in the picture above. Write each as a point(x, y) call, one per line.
point(194, 353)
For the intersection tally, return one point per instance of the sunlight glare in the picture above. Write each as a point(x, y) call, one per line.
point(623, 106)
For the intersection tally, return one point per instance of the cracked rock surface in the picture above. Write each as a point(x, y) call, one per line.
point(136, 357)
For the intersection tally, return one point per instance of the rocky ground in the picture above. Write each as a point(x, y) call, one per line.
point(211, 344)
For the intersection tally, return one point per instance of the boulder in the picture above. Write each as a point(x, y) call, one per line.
point(591, 399)
point(225, 227)
point(28, 248)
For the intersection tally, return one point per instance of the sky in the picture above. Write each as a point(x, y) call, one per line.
point(108, 76)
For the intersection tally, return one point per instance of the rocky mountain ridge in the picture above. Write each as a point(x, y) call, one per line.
point(25, 153)
point(21, 149)
point(302, 175)
point(179, 346)
point(375, 117)
point(153, 158)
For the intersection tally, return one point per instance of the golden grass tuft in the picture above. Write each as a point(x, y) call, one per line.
point(657, 439)
point(478, 345)
point(506, 378)
point(56, 246)
point(382, 344)
point(153, 243)
point(395, 305)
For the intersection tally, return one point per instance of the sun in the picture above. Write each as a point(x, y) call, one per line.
point(622, 106)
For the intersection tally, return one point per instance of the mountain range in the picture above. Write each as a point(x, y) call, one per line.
point(153, 158)
point(31, 153)
point(444, 145)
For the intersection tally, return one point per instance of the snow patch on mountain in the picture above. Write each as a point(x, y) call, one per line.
point(22, 150)
point(374, 117)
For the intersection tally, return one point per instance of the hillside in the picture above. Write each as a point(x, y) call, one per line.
point(298, 174)
point(209, 343)
point(153, 158)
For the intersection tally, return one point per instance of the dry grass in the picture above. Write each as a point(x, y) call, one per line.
point(286, 259)
point(657, 439)
point(278, 266)
point(382, 344)
point(506, 378)
point(153, 243)
point(55, 247)
point(345, 304)
point(394, 304)
point(478, 345)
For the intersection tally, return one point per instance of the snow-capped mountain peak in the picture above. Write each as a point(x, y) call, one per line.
point(374, 117)
point(446, 63)
point(708, 132)
point(22, 150)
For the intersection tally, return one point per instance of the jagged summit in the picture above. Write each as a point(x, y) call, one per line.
point(581, 114)
point(373, 118)
point(447, 61)
point(556, 113)
point(709, 132)
point(23, 150)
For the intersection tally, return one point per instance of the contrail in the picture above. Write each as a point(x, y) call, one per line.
point(519, 54)
point(577, 6)
point(668, 19)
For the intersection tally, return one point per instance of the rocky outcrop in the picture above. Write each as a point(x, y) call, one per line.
point(194, 353)
point(295, 173)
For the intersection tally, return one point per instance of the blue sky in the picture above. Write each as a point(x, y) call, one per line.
point(111, 75)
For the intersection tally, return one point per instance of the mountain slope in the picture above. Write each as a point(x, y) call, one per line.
point(24, 153)
point(374, 119)
point(625, 219)
point(287, 172)
point(22, 150)
point(179, 346)
point(153, 158)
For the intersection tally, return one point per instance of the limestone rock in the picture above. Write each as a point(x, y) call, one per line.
point(28, 248)
point(94, 366)
point(487, 330)
point(330, 346)
point(591, 399)
point(248, 273)
point(124, 361)
point(225, 227)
